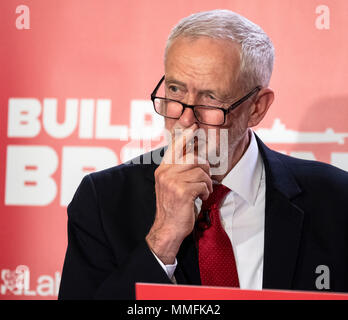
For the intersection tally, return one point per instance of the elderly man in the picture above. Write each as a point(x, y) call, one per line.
point(265, 221)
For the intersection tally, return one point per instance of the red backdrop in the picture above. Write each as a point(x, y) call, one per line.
point(75, 82)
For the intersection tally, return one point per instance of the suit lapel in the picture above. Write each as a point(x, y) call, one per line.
point(283, 222)
point(150, 162)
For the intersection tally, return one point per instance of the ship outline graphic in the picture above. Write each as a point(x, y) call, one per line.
point(278, 133)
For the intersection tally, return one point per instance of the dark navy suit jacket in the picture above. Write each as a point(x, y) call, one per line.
point(306, 225)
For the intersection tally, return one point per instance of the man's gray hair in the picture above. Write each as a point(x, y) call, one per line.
point(257, 51)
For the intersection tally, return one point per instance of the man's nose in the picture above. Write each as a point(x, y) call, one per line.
point(188, 118)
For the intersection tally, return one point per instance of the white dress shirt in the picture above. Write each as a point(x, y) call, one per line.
point(242, 216)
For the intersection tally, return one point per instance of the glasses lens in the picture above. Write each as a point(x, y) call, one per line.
point(168, 108)
point(210, 116)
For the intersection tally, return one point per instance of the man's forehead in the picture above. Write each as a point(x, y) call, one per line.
point(211, 63)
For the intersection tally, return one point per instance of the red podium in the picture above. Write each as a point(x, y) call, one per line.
point(146, 291)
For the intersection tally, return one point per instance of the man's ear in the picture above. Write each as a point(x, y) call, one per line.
point(260, 106)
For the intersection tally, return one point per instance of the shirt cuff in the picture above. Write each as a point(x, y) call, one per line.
point(168, 268)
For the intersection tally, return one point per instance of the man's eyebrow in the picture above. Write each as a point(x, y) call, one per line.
point(207, 91)
point(171, 80)
point(218, 95)
point(203, 91)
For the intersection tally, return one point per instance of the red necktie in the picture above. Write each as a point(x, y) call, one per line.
point(217, 264)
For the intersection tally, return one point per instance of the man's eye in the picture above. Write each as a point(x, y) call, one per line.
point(173, 89)
point(210, 97)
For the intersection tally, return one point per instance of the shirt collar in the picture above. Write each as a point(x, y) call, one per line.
point(245, 176)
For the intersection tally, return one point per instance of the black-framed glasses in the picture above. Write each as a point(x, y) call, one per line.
point(209, 115)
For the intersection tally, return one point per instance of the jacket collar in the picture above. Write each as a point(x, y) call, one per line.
point(281, 177)
point(283, 221)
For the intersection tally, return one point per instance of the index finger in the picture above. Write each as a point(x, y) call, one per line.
point(180, 139)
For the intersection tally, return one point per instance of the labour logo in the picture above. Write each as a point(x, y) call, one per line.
point(14, 281)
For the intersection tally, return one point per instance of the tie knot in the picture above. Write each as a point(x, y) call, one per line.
point(216, 197)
